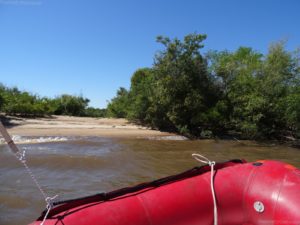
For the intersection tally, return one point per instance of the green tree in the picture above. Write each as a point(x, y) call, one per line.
point(280, 87)
point(21, 103)
point(16, 102)
point(141, 96)
point(71, 105)
point(118, 107)
point(95, 112)
point(185, 91)
point(292, 111)
point(237, 73)
point(259, 92)
point(2, 93)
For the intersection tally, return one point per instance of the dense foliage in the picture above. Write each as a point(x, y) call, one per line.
point(16, 102)
point(244, 92)
point(118, 106)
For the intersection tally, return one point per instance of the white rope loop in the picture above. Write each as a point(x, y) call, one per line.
point(203, 159)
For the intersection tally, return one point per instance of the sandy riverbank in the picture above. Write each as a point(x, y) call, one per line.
point(79, 126)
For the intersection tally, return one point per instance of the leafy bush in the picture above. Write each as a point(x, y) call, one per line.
point(16, 102)
point(242, 92)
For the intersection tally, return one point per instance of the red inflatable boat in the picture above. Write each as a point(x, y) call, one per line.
point(264, 192)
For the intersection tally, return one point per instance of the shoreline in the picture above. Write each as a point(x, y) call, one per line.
point(79, 126)
point(66, 126)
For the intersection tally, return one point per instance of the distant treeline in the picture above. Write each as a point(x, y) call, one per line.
point(244, 92)
point(22, 103)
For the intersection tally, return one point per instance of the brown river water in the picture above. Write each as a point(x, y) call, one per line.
point(80, 166)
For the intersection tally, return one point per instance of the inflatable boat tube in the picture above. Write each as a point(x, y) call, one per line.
point(262, 193)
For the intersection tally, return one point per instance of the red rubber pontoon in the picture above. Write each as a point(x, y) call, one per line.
point(265, 192)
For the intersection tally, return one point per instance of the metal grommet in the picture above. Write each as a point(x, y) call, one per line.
point(259, 207)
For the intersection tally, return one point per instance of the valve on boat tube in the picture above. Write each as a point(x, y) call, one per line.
point(259, 206)
point(273, 195)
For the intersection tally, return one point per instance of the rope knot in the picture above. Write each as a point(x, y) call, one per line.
point(50, 201)
point(49, 206)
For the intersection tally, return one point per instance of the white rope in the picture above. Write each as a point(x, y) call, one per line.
point(201, 158)
point(49, 200)
point(21, 157)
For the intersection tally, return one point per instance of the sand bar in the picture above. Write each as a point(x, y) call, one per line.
point(79, 126)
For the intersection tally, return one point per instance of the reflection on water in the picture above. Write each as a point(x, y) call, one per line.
point(84, 166)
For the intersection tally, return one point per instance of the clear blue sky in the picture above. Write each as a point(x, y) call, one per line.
point(51, 47)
